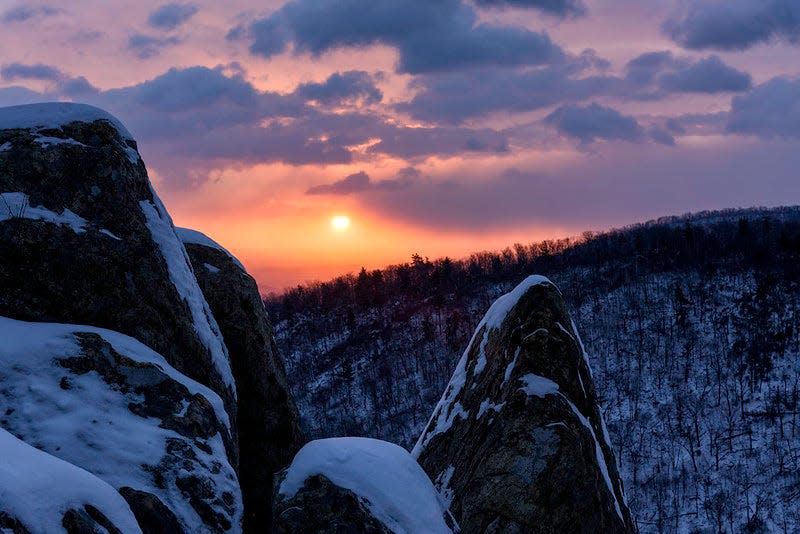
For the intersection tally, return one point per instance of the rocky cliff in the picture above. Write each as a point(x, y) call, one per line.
point(517, 442)
point(143, 400)
point(269, 432)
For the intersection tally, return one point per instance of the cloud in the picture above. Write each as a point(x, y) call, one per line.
point(24, 13)
point(709, 75)
point(360, 182)
point(39, 71)
point(429, 36)
point(770, 110)
point(654, 75)
point(735, 24)
point(147, 46)
point(559, 8)
point(63, 84)
point(662, 135)
point(170, 16)
point(457, 96)
point(593, 122)
point(342, 87)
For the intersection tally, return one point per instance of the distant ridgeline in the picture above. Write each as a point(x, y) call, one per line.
point(691, 324)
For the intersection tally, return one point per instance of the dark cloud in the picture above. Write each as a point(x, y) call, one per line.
point(147, 46)
point(593, 122)
point(429, 36)
point(662, 135)
point(24, 13)
point(17, 71)
point(654, 74)
point(360, 182)
point(342, 87)
point(708, 75)
point(354, 183)
point(63, 84)
point(457, 96)
point(559, 8)
point(170, 16)
point(769, 110)
point(735, 24)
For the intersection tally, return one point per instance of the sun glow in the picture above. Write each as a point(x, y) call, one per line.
point(340, 223)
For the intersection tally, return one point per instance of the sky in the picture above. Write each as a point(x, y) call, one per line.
point(436, 127)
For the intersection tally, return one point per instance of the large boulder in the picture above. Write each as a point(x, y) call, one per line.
point(517, 443)
point(119, 413)
point(356, 485)
point(84, 239)
point(268, 422)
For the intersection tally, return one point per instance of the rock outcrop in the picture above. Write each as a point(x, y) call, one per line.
point(268, 422)
point(112, 407)
point(84, 239)
point(356, 485)
point(517, 442)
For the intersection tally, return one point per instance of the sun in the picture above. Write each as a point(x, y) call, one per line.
point(340, 223)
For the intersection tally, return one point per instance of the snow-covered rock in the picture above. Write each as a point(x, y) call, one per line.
point(267, 419)
point(112, 407)
point(357, 485)
point(517, 442)
point(84, 239)
point(42, 494)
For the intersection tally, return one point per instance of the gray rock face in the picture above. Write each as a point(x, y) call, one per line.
point(322, 506)
point(517, 443)
point(84, 239)
point(268, 422)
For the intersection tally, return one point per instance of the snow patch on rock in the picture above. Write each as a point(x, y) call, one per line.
point(16, 205)
point(37, 489)
point(393, 486)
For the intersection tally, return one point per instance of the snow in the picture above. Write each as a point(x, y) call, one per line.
point(538, 386)
point(394, 487)
point(189, 236)
point(89, 423)
point(180, 272)
point(54, 115)
point(5, 147)
point(210, 268)
point(446, 411)
point(487, 405)
point(446, 494)
point(38, 489)
point(47, 141)
point(16, 205)
point(110, 234)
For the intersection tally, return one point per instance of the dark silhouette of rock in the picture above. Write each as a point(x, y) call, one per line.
point(517, 442)
point(84, 239)
point(268, 422)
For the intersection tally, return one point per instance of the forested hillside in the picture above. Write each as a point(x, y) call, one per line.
point(691, 324)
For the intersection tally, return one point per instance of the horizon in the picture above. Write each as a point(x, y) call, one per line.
point(441, 129)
